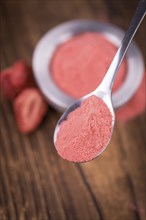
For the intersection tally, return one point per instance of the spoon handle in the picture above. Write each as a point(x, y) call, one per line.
point(107, 83)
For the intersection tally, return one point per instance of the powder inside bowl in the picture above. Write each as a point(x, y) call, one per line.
point(86, 131)
point(79, 65)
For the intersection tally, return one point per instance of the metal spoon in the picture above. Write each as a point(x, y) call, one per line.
point(104, 89)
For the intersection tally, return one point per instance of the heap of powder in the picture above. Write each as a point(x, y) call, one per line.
point(86, 131)
point(79, 65)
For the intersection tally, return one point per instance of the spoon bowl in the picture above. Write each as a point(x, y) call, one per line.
point(106, 98)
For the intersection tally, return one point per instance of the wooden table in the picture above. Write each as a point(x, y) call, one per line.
point(36, 184)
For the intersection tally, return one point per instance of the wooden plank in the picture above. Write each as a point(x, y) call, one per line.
point(36, 183)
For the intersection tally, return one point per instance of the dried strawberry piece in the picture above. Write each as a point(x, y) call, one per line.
point(30, 108)
point(14, 79)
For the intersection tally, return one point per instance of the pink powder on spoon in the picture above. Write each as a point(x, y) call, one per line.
point(86, 132)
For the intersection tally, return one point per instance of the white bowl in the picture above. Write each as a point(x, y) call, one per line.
point(49, 42)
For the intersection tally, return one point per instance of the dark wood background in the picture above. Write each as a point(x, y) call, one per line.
point(36, 184)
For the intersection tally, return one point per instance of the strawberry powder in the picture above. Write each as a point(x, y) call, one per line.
point(79, 65)
point(86, 131)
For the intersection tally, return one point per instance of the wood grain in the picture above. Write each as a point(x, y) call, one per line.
point(35, 183)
